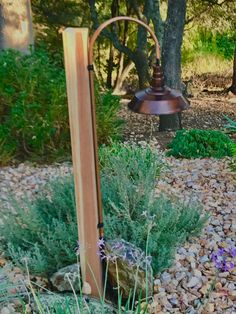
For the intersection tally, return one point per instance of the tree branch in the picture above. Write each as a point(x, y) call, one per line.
point(110, 35)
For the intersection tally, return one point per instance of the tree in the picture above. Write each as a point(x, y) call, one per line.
point(16, 30)
point(147, 12)
point(172, 41)
point(171, 56)
point(219, 15)
point(50, 16)
point(233, 86)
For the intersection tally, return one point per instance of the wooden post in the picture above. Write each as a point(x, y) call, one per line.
point(83, 154)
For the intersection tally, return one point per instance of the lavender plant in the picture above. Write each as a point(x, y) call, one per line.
point(224, 259)
point(45, 230)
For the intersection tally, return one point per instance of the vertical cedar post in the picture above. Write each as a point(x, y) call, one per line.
point(76, 43)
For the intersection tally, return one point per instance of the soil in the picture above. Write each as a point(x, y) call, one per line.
point(206, 111)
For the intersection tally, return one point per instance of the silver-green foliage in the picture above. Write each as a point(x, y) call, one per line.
point(132, 208)
point(45, 230)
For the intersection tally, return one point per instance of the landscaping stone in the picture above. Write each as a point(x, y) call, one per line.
point(67, 278)
point(131, 264)
point(212, 184)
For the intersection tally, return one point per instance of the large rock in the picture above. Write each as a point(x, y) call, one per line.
point(134, 268)
point(60, 279)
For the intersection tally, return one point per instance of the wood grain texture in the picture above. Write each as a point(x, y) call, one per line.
point(83, 153)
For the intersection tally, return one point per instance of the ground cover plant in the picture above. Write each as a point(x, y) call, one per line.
point(231, 128)
point(34, 122)
point(45, 230)
point(200, 144)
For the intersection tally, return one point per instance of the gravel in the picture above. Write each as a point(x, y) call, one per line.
point(186, 286)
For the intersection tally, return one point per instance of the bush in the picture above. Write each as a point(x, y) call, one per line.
point(33, 109)
point(45, 230)
point(34, 118)
point(200, 144)
point(47, 233)
point(134, 213)
point(109, 125)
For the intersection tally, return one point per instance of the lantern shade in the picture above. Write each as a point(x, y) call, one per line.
point(158, 99)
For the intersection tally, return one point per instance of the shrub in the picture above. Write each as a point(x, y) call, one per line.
point(200, 144)
point(33, 119)
point(47, 233)
point(33, 109)
point(45, 230)
point(133, 212)
point(230, 125)
point(109, 125)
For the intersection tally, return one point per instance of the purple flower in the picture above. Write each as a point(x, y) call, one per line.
point(101, 243)
point(221, 252)
point(232, 251)
point(214, 257)
point(228, 266)
point(223, 259)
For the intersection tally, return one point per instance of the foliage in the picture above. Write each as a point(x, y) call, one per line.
point(200, 144)
point(132, 210)
point(233, 162)
point(34, 118)
point(45, 231)
point(219, 43)
point(230, 125)
point(33, 109)
point(109, 125)
point(51, 16)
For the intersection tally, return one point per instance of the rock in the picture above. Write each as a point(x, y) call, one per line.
point(5, 310)
point(232, 295)
point(210, 308)
point(60, 279)
point(194, 281)
point(165, 277)
point(131, 264)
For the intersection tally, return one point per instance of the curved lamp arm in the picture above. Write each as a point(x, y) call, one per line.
point(90, 60)
point(121, 18)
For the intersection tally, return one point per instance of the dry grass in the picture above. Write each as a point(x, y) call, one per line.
point(207, 63)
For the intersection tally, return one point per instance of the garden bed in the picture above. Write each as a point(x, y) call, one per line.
point(183, 287)
point(206, 111)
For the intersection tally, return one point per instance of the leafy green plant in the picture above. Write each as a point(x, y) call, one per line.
point(230, 125)
point(33, 109)
point(109, 125)
point(200, 144)
point(33, 119)
point(131, 207)
point(45, 231)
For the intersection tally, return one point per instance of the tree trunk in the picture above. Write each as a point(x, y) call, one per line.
point(122, 77)
point(141, 63)
point(171, 56)
point(16, 25)
point(233, 86)
point(110, 67)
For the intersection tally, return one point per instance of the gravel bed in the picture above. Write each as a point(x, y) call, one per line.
point(184, 287)
point(205, 112)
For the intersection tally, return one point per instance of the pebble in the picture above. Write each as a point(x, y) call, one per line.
point(181, 288)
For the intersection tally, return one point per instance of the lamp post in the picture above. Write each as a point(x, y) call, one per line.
point(158, 99)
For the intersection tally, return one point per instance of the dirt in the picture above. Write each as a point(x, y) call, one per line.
point(206, 111)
